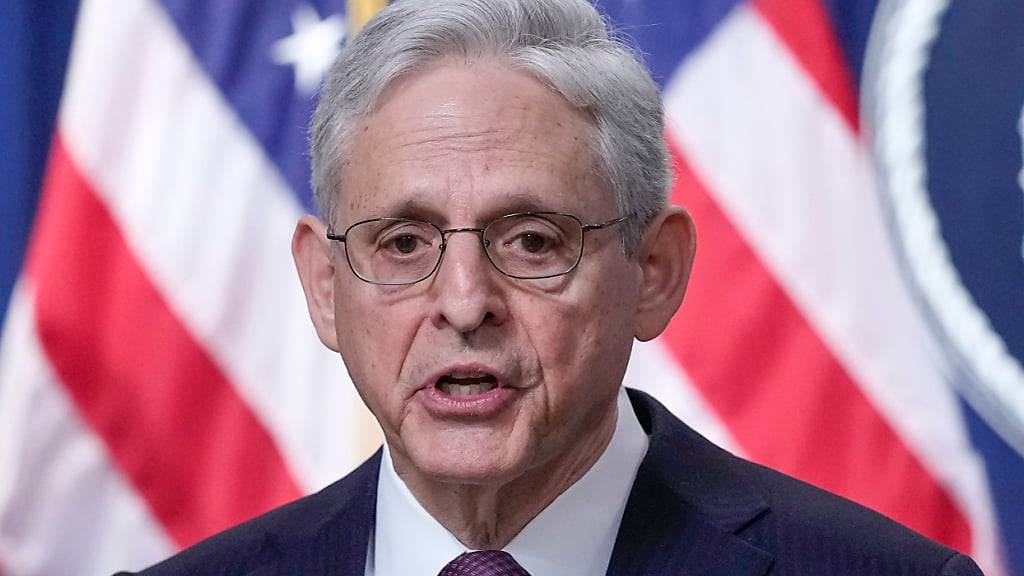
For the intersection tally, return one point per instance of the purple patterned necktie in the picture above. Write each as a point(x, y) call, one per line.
point(484, 563)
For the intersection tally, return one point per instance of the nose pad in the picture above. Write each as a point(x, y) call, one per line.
point(467, 295)
point(480, 245)
point(473, 255)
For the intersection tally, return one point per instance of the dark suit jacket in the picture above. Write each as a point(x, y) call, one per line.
point(694, 509)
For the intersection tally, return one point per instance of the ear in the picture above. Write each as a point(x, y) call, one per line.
point(666, 258)
point(312, 252)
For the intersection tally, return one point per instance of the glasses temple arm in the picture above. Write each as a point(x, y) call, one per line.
point(588, 227)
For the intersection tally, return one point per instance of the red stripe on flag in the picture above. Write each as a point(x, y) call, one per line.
point(169, 417)
point(805, 28)
point(781, 392)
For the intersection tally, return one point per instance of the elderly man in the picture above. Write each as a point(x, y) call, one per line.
point(494, 233)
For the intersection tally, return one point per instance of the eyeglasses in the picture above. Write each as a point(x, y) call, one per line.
point(526, 246)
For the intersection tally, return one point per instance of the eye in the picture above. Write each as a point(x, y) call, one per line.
point(528, 240)
point(405, 240)
point(405, 244)
point(532, 242)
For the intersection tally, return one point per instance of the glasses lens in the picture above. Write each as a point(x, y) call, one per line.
point(534, 245)
point(393, 251)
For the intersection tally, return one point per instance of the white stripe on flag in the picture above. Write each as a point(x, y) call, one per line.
point(64, 509)
point(797, 183)
point(210, 220)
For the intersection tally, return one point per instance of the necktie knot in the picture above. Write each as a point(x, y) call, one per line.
point(484, 563)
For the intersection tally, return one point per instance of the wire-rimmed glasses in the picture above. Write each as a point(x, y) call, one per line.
point(525, 246)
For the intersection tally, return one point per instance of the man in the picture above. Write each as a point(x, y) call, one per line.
point(494, 233)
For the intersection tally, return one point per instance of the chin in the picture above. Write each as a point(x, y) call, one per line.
point(467, 462)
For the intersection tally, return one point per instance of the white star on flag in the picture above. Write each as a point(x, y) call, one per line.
point(311, 48)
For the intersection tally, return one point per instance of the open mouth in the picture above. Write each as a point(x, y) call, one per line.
point(466, 385)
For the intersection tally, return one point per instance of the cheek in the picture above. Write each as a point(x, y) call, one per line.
point(582, 340)
point(353, 332)
point(374, 336)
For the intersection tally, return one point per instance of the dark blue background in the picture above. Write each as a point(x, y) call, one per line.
point(974, 91)
point(974, 95)
point(34, 41)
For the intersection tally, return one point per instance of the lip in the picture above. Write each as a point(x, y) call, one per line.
point(476, 406)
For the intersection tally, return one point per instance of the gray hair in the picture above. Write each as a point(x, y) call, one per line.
point(564, 43)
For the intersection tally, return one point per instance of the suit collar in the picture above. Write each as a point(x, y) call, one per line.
point(331, 532)
point(688, 505)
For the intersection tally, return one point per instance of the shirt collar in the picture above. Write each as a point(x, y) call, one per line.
point(573, 536)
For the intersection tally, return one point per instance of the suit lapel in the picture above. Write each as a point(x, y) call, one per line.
point(687, 506)
point(335, 541)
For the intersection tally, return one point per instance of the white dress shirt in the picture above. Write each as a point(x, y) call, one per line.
point(573, 536)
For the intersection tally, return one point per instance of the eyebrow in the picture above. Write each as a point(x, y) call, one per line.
point(512, 203)
point(413, 209)
point(521, 202)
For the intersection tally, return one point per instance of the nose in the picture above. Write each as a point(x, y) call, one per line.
point(466, 286)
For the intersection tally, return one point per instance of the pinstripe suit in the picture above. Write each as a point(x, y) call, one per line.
point(694, 509)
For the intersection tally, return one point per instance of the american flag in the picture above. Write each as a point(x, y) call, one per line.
point(156, 353)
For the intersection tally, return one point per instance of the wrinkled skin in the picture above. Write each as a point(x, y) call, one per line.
point(458, 144)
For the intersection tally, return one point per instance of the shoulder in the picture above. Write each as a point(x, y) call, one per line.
point(260, 541)
point(804, 529)
point(807, 526)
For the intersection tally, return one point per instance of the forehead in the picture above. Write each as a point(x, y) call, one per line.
point(471, 137)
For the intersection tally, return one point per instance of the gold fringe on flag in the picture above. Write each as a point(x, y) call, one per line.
point(360, 11)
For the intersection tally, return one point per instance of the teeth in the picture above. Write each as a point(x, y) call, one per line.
point(453, 389)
